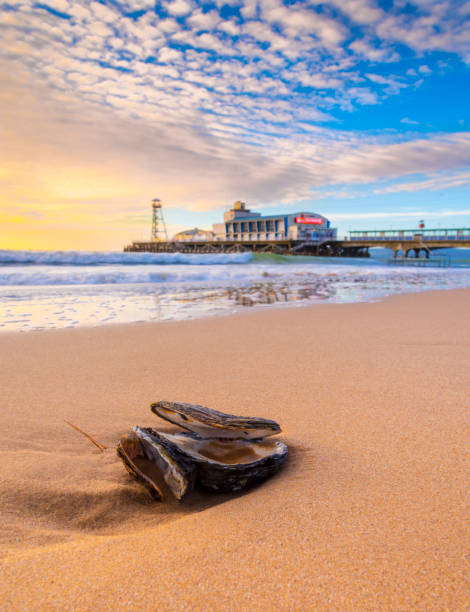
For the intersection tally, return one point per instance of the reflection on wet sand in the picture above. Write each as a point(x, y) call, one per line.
point(193, 301)
point(251, 295)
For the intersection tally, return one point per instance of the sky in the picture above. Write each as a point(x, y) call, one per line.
point(356, 109)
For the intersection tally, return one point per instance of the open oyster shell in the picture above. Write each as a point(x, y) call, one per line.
point(209, 423)
point(220, 452)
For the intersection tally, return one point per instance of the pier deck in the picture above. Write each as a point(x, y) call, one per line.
point(325, 248)
point(281, 247)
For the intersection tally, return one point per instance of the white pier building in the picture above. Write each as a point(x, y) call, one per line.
point(240, 224)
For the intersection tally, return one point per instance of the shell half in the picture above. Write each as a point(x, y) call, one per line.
point(224, 465)
point(154, 461)
point(209, 423)
point(131, 453)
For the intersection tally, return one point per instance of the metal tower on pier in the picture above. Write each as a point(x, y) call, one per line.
point(159, 233)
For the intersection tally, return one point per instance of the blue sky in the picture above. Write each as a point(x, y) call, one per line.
point(355, 109)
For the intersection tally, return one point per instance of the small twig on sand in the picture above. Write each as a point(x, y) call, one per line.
point(100, 446)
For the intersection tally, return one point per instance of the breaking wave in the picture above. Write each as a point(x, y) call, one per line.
point(117, 275)
point(95, 258)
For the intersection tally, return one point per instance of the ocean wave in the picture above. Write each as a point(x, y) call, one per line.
point(210, 275)
point(96, 258)
point(56, 275)
point(457, 257)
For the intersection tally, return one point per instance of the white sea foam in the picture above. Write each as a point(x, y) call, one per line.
point(96, 258)
point(114, 275)
point(55, 275)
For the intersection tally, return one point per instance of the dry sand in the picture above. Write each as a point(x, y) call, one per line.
point(371, 512)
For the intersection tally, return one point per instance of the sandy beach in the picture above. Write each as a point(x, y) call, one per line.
point(371, 511)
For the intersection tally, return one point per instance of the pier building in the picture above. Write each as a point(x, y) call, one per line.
point(194, 234)
point(241, 225)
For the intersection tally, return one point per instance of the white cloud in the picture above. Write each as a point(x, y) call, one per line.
point(295, 22)
point(168, 26)
point(464, 9)
point(179, 8)
point(364, 47)
point(136, 5)
point(359, 11)
point(362, 95)
point(393, 85)
point(106, 13)
point(438, 28)
point(319, 81)
point(229, 27)
point(213, 43)
point(249, 8)
point(435, 183)
point(59, 5)
point(372, 162)
point(79, 12)
point(166, 55)
point(204, 21)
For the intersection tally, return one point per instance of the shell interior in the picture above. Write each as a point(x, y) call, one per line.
point(226, 452)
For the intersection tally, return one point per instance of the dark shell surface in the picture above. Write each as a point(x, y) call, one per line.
point(233, 464)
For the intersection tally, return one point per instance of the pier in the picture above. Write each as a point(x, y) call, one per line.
point(404, 246)
point(295, 233)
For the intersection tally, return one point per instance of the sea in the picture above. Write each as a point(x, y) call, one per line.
point(65, 289)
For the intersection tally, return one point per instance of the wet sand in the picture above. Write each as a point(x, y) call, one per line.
point(371, 511)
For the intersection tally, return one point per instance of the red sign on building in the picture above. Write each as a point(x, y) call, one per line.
point(310, 220)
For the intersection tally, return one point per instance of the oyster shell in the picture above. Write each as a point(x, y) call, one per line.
point(209, 423)
point(221, 452)
point(224, 465)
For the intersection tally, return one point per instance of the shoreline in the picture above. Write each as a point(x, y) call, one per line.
point(34, 297)
point(369, 512)
point(241, 310)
